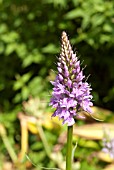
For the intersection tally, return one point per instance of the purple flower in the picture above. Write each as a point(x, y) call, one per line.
point(108, 144)
point(71, 94)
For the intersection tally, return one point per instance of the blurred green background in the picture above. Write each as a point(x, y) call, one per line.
point(30, 32)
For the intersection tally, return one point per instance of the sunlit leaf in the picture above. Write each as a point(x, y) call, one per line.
point(74, 13)
point(32, 128)
point(50, 48)
point(109, 167)
point(104, 157)
point(94, 131)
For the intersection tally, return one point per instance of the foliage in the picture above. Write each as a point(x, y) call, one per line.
point(29, 36)
point(29, 33)
point(46, 141)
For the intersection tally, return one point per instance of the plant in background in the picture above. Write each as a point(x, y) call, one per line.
point(108, 144)
point(71, 92)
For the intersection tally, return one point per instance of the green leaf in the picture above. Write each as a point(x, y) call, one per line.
point(10, 37)
point(107, 27)
point(50, 48)
point(74, 14)
point(34, 57)
point(25, 92)
point(21, 80)
point(10, 48)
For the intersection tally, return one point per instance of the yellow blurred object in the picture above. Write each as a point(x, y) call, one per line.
point(105, 157)
point(98, 111)
point(2, 130)
point(32, 128)
point(50, 123)
point(94, 131)
point(109, 167)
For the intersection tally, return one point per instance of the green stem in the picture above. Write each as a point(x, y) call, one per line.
point(44, 140)
point(7, 143)
point(69, 148)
